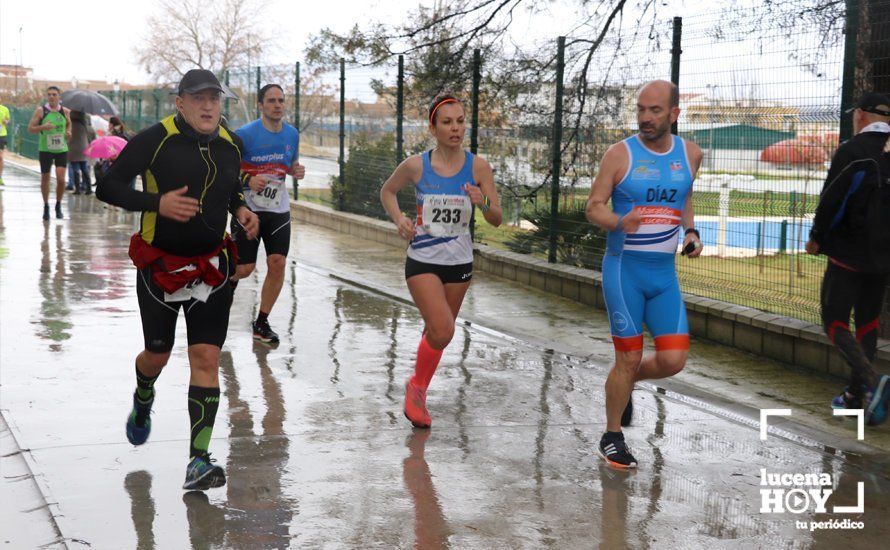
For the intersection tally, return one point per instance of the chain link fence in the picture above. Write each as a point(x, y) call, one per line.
point(763, 102)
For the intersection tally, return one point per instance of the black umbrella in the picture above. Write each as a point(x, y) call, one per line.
point(88, 102)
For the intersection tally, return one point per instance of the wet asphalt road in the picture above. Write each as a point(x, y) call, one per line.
point(311, 432)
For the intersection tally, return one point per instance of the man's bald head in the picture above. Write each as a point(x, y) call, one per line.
point(665, 91)
point(658, 106)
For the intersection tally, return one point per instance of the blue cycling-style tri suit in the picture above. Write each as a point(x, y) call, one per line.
point(639, 274)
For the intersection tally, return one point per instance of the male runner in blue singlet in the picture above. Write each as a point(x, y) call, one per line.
point(271, 149)
point(648, 178)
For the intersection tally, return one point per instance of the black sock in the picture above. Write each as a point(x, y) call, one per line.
point(613, 436)
point(203, 403)
point(262, 318)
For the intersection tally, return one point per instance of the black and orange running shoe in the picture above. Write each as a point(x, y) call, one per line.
point(614, 451)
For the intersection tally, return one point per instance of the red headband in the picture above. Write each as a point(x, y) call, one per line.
point(443, 102)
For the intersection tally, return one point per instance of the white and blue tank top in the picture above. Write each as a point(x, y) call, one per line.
point(444, 210)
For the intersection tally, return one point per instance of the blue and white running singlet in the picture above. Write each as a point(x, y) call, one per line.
point(639, 275)
point(442, 235)
point(272, 154)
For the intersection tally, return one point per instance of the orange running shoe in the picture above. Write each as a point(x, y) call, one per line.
point(415, 406)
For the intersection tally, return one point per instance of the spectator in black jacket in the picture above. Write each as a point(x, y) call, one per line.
point(850, 229)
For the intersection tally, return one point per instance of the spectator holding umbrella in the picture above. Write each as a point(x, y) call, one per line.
point(82, 134)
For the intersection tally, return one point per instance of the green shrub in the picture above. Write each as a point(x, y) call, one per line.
point(579, 242)
point(369, 164)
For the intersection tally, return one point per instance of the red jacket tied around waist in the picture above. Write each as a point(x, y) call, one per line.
point(164, 266)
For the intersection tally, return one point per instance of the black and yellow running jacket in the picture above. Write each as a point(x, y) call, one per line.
point(171, 154)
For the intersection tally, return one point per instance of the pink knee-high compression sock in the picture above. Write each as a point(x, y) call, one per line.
point(427, 361)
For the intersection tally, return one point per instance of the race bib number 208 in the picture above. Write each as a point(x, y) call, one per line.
point(269, 197)
point(447, 215)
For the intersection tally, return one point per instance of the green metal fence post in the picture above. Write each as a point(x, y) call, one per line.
point(226, 107)
point(556, 163)
point(297, 92)
point(157, 97)
point(400, 111)
point(139, 110)
point(342, 158)
point(477, 77)
point(257, 102)
point(849, 72)
point(297, 119)
point(124, 103)
point(675, 58)
point(474, 115)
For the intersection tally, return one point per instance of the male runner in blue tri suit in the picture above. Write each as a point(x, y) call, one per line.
point(648, 178)
point(271, 148)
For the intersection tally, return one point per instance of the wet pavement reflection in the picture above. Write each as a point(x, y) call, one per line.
point(311, 431)
point(430, 527)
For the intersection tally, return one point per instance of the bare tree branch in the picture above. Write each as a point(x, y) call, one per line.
point(186, 34)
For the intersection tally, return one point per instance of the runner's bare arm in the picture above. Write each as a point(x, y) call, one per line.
point(688, 218)
point(34, 126)
point(695, 157)
point(408, 172)
point(485, 189)
point(612, 168)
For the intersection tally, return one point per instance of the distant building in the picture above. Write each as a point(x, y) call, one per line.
point(19, 81)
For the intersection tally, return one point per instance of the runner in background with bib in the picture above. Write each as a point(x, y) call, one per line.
point(271, 148)
point(53, 123)
point(449, 182)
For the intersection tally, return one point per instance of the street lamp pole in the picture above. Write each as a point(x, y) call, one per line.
point(21, 64)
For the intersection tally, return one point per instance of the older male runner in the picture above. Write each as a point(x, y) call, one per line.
point(183, 254)
point(648, 178)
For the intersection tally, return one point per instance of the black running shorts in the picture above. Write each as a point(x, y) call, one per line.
point(274, 232)
point(47, 160)
point(461, 273)
point(206, 322)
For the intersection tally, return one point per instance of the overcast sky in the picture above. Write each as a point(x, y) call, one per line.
point(94, 39)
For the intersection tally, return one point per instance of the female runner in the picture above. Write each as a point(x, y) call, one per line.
point(449, 182)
